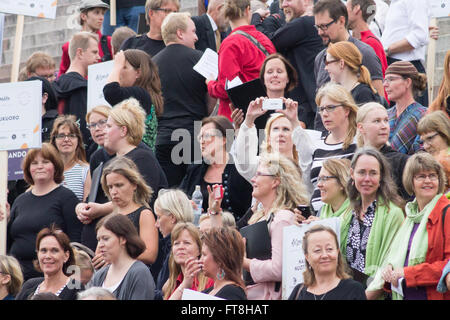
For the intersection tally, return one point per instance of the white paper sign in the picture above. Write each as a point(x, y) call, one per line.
point(208, 65)
point(97, 75)
point(440, 8)
point(293, 258)
point(34, 8)
point(189, 294)
point(20, 115)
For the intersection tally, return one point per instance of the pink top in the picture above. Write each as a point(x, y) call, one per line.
point(266, 272)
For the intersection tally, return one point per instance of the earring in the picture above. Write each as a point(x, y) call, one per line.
point(220, 275)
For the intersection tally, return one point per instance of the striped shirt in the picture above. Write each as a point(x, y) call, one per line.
point(74, 179)
point(403, 136)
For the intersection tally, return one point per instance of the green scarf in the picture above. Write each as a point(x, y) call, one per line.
point(327, 212)
point(419, 245)
point(385, 225)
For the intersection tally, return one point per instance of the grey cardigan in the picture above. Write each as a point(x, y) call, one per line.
point(138, 283)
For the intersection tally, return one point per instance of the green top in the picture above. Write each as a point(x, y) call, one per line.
point(327, 212)
point(151, 127)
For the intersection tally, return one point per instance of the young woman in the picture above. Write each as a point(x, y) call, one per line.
point(66, 138)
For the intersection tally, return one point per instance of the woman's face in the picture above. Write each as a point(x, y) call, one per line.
point(66, 141)
point(210, 267)
point(97, 127)
point(375, 128)
point(128, 75)
point(109, 245)
point(121, 190)
point(329, 189)
point(114, 134)
point(184, 247)
point(322, 253)
point(426, 185)
point(264, 183)
point(333, 67)
point(164, 222)
point(42, 170)
point(396, 86)
point(51, 256)
point(366, 176)
point(336, 117)
point(212, 142)
point(275, 76)
point(433, 143)
point(281, 136)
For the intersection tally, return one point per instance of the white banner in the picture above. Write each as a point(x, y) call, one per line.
point(440, 8)
point(34, 8)
point(20, 115)
point(293, 258)
point(97, 75)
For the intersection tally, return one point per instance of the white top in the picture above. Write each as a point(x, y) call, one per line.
point(407, 19)
point(74, 179)
point(380, 18)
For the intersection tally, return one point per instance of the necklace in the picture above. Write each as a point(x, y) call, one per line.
point(315, 298)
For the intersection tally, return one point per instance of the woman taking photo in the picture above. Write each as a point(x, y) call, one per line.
point(376, 212)
point(129, 194)
point(184, 264)
point(135, 75)
point(278, 186)
point(222, 256)
point(171, 206)
point(325, 277)
point(421, 247)
point(120, 245)
point(66, 138)
point(47, 202)
point(402, 83)
point(217, 168)
point(55, 260)
point(238, 55)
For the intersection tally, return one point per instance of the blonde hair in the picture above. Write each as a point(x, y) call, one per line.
point(228, 219)
point(103, 110)
point(363, 111)
point(83, 260)
point(130, 114)
point(340, 168)
point(175, 202)
point(174, 268)
point(265, 146)
point(436, 121)
point(340, 95)
point(39, 59)
point(235, 9)
point(80, 40)
point(291, 191)
point(9, 265)
point(173, 22)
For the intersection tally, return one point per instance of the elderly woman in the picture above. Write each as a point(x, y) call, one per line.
point(421, 247)
point(278, 186)
point(325, 281)
point(401, 83)
point(55, 258)
point(47, 202)
point(11, 277)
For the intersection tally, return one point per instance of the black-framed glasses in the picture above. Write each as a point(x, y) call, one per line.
point(324, 27)
point(331, 61)
point(165, 10)
point(62, 136)
point(262, 174)
point(325, 178)
point(428, 139)
point(329, 108)
point(100, 124)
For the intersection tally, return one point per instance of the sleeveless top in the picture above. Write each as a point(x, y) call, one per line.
point(135, 216)
point(74, 179)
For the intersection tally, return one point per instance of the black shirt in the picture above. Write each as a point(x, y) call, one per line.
point(184, 91)
point(229, 292)
point(363, 94)
point(115, 94)
point(347, 289)
point(68, 293)
point(144, 43)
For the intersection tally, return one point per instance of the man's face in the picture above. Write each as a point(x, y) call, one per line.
point(91, 54)
point(293, 9)
point(157, 15)
point(93, 19)
point(189, 37)
point(352, 14)
point(329, 29)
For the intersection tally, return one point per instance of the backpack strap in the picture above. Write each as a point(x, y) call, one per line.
point(106, 53)
point(253, 40)
point(444, 212)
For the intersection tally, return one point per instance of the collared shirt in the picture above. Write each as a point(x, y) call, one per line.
point(403, 135)
point(213, 23)
point(407, 19)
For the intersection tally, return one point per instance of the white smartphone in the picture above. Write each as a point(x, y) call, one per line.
point(272, 104)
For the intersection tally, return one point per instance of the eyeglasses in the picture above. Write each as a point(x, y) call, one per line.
point(206, 136)
point(260, 174)
point(166, 11)
point(325, 178)
point(331, 61)
point(100, 124)
point(428, 139)
point(329, 108)
point(390, 79)
point(324, 27)
point(62, 136)
point(423, 177)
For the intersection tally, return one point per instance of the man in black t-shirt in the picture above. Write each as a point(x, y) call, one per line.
point(152, 42)
point(185, 96)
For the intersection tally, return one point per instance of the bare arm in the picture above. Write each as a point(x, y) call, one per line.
point(149, 234)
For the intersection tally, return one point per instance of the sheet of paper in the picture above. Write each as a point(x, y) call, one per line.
point(97, 75)
point(34, 8)
point(208, 65)
point(233, 83)
point(398, 289)
point(189, 294)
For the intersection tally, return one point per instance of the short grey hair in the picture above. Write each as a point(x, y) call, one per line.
point(97, 292)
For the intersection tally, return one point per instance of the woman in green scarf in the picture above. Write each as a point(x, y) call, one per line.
point(375, 216)
point(422, 245)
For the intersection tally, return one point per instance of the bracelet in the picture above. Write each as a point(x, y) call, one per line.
point(213, 213)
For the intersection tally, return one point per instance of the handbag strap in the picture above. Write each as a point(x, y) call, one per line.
point(253, 40)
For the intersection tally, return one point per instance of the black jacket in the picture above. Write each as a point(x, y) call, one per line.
point(205, 33)
point(47, 124)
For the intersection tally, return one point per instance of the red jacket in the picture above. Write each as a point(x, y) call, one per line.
point(65, 59)
point(427, 274)
point(238, 56)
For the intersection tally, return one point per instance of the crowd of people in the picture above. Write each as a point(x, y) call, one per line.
point(108, 207)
